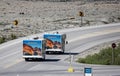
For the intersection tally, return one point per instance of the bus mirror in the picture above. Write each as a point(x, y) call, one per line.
point(66, 42)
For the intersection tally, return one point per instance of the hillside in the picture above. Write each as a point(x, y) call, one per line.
point(35, 16)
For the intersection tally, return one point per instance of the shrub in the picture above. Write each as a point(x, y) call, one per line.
point(13, 36)
point(2, 40)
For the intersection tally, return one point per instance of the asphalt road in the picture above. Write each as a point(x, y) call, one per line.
point(80, 39)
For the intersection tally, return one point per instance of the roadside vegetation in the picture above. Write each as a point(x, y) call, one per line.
point(104, 57)
point(4, 39)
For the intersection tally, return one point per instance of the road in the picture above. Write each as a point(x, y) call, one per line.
point(80, 39)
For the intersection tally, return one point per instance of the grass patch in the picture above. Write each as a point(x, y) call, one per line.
point(13, 36)
point(5, 39)
point(2, 40)
point(104, 57)
point(3, 23)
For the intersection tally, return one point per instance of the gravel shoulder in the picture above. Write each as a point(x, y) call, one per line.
point(93, 50)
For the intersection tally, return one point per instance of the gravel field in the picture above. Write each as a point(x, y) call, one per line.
point(35, 16)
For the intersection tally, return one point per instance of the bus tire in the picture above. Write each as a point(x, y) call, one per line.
point(26, 59)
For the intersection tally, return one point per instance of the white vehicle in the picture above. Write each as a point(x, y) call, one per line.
point(55, 42)
point(33, 49)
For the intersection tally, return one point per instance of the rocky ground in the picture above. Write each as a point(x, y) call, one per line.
point(36, 16)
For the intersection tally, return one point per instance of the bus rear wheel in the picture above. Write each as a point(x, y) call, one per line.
point(26, 59)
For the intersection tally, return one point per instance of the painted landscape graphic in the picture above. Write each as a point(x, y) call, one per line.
point(53, 41)
point(31, 47)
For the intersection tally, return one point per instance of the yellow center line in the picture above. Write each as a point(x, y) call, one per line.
point(13, 63)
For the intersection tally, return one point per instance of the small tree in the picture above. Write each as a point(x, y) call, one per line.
point(2, 40)
point(13, 36)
